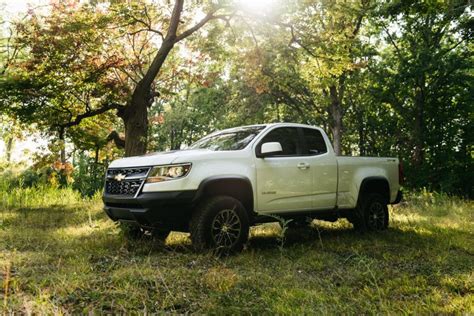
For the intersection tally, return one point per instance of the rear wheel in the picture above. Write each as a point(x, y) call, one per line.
point(221, 224)
point(372, 214)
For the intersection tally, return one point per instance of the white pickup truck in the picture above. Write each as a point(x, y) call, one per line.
point(232, 179)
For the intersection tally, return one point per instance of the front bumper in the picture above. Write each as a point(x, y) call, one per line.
point(152, 209)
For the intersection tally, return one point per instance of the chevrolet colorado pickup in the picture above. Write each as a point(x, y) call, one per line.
point(233, 179)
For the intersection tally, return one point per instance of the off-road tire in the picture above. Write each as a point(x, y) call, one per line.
point(207, 233)
point(372, 214)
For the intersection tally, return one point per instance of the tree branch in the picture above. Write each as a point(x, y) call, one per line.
point(164, 50)
point(91, 113)
point(392, 41)
point(115, 137)
point(170, 39)
point(207, 18)
point(147, 25)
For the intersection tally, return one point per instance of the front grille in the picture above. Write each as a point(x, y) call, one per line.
point(126, 181)
point(122, 187)
point(128, 172)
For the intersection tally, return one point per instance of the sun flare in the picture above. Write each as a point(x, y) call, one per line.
point(257, 6)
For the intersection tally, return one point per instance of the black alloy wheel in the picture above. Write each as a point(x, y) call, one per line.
point(221, 224)
point(372, 214)
point(226, 228)
point(377, 216)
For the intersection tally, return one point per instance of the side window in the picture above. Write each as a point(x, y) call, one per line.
point(287, 137)
point(315, 144)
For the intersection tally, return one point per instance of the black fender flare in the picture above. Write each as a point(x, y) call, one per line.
point(236, 186)
point(376, 184)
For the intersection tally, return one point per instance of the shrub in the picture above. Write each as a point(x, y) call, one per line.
point(88, 175)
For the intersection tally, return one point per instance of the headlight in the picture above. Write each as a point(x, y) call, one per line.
point(170, 172)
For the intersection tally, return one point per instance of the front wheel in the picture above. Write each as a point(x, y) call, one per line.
point(372, 214)
point(221, 224)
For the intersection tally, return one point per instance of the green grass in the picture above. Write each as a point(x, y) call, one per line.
point(60, 254)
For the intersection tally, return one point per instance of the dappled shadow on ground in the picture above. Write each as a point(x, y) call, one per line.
point(310, 235)
point(51, 217)
point(393, 238)
point(435, 257)
point(58, 227)
point(66, 243)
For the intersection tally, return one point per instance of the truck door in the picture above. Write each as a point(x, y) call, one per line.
point(284, 180)
point(323, 165)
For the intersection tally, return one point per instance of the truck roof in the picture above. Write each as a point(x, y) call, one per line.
point(291, 124)
point(270, 124)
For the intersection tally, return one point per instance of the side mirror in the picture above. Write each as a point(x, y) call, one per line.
point(269, 149)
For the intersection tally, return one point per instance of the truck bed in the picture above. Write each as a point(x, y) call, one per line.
point(352, 170)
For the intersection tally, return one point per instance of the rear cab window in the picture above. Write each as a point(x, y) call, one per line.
point(314, 143)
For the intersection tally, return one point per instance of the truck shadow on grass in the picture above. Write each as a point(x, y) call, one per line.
point(263, 238)
point(433, 251)
point(394, 238)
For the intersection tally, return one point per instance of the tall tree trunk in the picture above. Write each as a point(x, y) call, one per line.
point(418, 138)
point(135, 118)
point(335, 111)
point(96, 157)
point(9, 148)
point(62, 144)
point(418, 128)
point(135, 114)
point(361, 132)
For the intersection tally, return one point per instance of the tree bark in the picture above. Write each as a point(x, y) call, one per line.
point(336, 113)
point(115, 137)
point(62, 144)
point(135, 114)
point(9, 148)
point(361, 132)
point(96, 157)
point(135, 118)
point(418, 130)
point(419, 122)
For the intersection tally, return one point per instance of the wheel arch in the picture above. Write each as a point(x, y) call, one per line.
point(374, 185)
point(238, 187)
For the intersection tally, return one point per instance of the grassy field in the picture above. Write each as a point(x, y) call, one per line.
point(60, 254)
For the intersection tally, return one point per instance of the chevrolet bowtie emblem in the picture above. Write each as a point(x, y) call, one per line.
point(119, 177)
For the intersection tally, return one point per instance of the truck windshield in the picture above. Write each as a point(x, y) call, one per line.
point(234, 139)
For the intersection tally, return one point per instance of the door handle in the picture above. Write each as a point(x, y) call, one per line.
point(303, 165)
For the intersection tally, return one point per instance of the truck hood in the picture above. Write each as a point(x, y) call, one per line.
point(160, 158)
